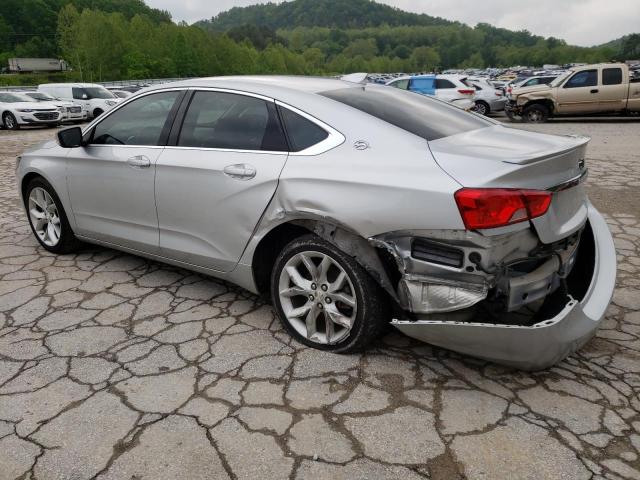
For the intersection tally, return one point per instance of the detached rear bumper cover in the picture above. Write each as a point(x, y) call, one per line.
point(541, 345)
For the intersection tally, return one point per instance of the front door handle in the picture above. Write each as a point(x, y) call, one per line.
point(139, 161)
point(595, 90)
point(240, 171)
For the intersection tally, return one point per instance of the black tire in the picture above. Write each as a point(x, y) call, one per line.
point(482, 108)
point(68, 242)
point(372, 313)
point(9, 121)
point(535, 113)
point(97, 112)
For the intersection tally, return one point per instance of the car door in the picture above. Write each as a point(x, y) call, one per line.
point(580, 93)
point(111, 179)
point(424, 86)
point(217, 176)
point(613, 92)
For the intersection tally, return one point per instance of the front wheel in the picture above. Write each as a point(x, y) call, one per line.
point(325, 299)
point(48, 219)
point(535, 113)
point(10, 122)
point(97, 112)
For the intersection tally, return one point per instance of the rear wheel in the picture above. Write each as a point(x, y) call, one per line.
point(482, 108)
point(535, 113)
point(10, 122)
point(48, 219)
point(325, 299)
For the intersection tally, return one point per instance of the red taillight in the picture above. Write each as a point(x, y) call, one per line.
point(509, 90)
point(497, 207)
point(466, 92)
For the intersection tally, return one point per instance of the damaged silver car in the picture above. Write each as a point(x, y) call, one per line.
point(351, 205)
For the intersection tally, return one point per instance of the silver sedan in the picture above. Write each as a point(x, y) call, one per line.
point(350, 205)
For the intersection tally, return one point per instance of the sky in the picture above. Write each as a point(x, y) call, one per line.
point(579, 22)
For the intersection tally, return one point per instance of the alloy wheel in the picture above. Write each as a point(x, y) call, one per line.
point(44, 216)
point(317, 297)
point(9, 122)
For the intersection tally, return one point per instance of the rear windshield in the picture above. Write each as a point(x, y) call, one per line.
point(421, 115)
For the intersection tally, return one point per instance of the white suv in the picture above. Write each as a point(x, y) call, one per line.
point(94, 98)
point(448, 88)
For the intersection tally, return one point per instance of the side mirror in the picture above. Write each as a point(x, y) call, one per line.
point(70, 137)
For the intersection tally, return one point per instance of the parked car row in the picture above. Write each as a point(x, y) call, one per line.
point(464, 92)
point(55, 103)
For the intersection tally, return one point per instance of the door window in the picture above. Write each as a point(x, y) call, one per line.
point(612, 76)
point(401, 84)
point(140, 122)
point(586, 78)
point(422, 84)
point(302, 133)
point(231, 121)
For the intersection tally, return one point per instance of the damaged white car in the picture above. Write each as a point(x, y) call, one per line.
point(351, 205)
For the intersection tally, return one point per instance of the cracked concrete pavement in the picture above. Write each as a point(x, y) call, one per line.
point(115, 367)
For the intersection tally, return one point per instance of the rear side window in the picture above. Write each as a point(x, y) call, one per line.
point(302, 133)
point(442, 83)
point(231, 121)
point(612, 76)
point(419, 114)
point(586, 78)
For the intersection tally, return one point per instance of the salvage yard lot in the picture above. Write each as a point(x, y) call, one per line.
point(112, 366)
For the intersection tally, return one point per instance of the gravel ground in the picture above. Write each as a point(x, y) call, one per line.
point(115, 367)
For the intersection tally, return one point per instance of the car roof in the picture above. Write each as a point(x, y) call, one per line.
point(77, 85)
point(268, 85)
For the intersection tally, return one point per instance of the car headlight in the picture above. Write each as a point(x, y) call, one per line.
point(111, 103)
point(26, 110)
point(61, 109)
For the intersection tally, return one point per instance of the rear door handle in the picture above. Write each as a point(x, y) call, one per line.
point(139, 161)
point(595, 90)
point(240, 171)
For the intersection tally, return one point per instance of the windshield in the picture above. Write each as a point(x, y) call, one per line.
point(92, 92)
point(560, 79)
point(15, 97)
point(419, 114)
point(40, 96)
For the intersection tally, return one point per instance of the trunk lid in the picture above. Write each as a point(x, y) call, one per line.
point(501, 157)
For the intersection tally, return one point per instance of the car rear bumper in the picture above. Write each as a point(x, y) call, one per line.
point(498, 104)
point(545, 343)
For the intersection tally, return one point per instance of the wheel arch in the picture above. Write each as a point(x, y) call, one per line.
point(545, 102)
point(375, 260)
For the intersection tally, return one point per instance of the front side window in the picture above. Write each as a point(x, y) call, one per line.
point(422, 84)
point(612, 76)
point(302, 133)
point(88, 93)
point(232, 121)
point(586, 78)
point(140, 122)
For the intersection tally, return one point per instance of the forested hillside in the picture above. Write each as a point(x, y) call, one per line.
point(319, 13)
point(125, 39)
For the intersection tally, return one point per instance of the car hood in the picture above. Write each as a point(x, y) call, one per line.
point(532, 88)
point(33, 105)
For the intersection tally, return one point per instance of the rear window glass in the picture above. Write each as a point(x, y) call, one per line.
point(612, 76)
point(421, 115)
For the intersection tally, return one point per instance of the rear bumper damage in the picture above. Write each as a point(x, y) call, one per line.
point(568, 318)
